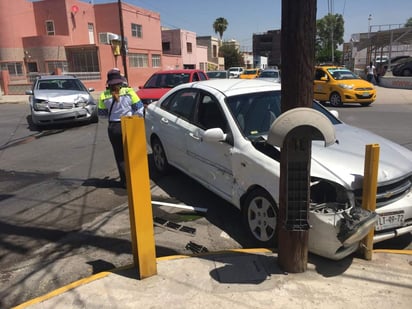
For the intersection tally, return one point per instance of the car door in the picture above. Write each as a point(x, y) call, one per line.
point(211, 161)
point(173, 124)
point(320, 91)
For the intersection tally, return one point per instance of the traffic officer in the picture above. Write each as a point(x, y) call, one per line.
point(116, 101)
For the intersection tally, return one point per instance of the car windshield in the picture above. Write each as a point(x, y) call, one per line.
point(216, 74)
point(255, 112)
point(341, 74)
point(61, 84)
point(271, 74)
point(250, 72)
point(167, 80)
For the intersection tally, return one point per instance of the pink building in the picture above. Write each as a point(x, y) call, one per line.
point(49, 36)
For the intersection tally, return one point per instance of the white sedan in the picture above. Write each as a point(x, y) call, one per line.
point(216, 132)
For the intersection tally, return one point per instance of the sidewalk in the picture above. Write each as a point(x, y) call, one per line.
point(244, 279)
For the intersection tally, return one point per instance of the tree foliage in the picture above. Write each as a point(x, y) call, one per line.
point(220, 26)
point(326, 28)
point(232, 56)
point(409, 22)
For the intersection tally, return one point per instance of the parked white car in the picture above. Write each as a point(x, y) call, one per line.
point(216, 132)
point(234, 72)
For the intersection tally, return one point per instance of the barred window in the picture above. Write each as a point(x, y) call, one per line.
point(14, 68)
point(137, 31)
point(139, 60)
point(156, 63)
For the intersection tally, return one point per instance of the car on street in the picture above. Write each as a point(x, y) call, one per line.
point(216, 132)
point(56, 99)
point(217, 74)
point(234, 72)
point(249, 74)
point(162, 81)
point(270, 75)
point(338, 86)
point(403, 68)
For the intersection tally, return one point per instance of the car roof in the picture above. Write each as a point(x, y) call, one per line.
point(232, 87)
point(48, 77)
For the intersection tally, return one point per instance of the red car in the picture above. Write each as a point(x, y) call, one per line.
point(161, 82)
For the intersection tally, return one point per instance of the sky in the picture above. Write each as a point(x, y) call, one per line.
point(258, 16)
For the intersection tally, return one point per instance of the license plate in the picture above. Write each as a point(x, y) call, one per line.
point(390, 220)
point(365, 94)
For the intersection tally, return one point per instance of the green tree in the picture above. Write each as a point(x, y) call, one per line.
point(409, 22)
point(220, 26)
point(328, 27)
point(232, 56)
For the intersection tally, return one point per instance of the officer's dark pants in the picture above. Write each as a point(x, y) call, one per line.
point(115, 137)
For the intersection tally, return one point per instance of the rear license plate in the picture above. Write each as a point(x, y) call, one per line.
point(365, 94)
point(390, 220)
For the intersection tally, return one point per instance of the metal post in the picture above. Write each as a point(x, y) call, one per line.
point(370, 179)
point(123, 47)
point(138, 188)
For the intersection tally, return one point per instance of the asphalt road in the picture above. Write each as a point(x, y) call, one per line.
point(57, 188)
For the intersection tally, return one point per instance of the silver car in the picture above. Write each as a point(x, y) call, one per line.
point(216, 132)
point(270, 75)
point(58, 99)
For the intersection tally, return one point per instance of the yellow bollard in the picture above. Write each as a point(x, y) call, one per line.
point(138, 188)
point(370, 180)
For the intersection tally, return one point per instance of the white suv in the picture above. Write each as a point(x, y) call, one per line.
point(234, 72)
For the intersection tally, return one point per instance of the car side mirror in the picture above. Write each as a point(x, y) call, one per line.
point(323, 78)
point(214, 135)
point(29, 92)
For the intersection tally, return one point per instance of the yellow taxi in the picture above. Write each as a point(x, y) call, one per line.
point(249, 73)
point(339, 85)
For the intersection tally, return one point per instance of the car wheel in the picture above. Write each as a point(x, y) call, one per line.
point(260, 217)
point(94, 118)
point(407, 72)
point(159, 156)
point(335, 99)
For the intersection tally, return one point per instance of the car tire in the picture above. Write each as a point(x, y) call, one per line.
point(94, 118)
point(260, 214)
point(159, 156)
point(407, 72)
point(335, 99)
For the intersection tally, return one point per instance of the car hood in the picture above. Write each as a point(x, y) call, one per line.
point(63, 96)
point(152, 93)
point(344, 161)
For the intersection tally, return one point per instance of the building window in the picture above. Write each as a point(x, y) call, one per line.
point(139, 60)
point(189, 47)
point(83, 59)
point(137, 30)
point(53, 65)
point(90, 29)
point(14, 68)
point(50, 27)
point(165, 46)
point(156, 61)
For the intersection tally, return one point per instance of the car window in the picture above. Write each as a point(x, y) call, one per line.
point(202, 76)
point(209, 113)
point(195, 77)
point(181, 104)
point(319, 74)
point(255, 112)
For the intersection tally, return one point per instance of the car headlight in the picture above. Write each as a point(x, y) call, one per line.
point(323, 192)
point(346, 86)
point(41, 105)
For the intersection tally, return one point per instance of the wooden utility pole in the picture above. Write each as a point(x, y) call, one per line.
point(298, 60)
point(123, 42)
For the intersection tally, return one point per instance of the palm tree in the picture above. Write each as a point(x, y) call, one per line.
point(220, 26)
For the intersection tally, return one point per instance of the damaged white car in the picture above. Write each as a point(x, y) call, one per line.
point(216, 132)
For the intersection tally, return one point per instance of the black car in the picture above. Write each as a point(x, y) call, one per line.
point(404, 68)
